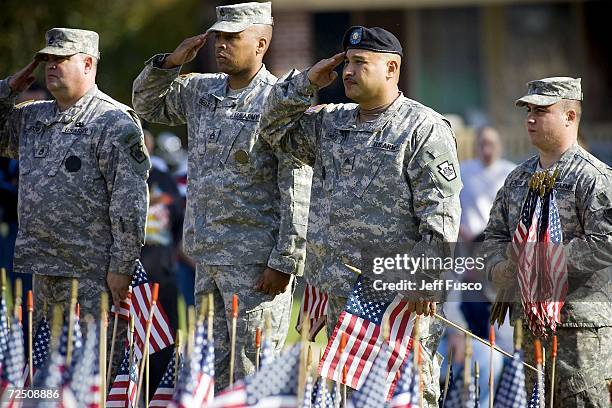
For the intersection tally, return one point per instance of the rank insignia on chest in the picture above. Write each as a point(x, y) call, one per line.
point(206, 102)
point(447, 170)
point(378, 144)
point(254, 117)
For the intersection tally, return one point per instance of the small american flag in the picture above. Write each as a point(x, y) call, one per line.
point(511, 389)
point(86, 386)
point(165, 388)
point(314, 309)
point(123, 391)
point(361, 321)
point(537, 243)
point(407, 391)
point(14, 361)
point(197, 380)
point(273, 386)
point(4, 334)
point(537, 395)
point(40, 348)
point(138, 305)
point(374, 391)
point(321, 396)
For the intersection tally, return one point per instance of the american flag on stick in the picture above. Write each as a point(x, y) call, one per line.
point(361, 322)
point(138, 305)
point(314, 309)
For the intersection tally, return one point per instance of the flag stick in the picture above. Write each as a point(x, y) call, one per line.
point(303, 361)
point(146, 396)
point(102, 346)
point(483, 341)
point(554, 363)
point(257, 347)
point(343, 341)
point(73, 301)
point(211, 316)
point(191, 323)
point(145, 349)
point(538, 358)
point(4, 291)
point(476, 381)
point(30, 315)
point(418, 358)
point(467, 367)
point(491, 368)
point(112, 349)
point(448, 371)
point(233, 338)
point(18, 300)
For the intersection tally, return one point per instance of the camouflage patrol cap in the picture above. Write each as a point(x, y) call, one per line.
point(238, 17)
point(548, 91)
point(70, 41)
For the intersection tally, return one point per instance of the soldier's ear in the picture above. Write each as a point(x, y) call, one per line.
point(262, 45)
point(89, 63)
point(392, 67)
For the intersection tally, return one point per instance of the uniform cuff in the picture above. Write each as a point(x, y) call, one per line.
point(304, 86)
point(156, 62)
point(121, 267)
point(6, 92)
point(282, 263)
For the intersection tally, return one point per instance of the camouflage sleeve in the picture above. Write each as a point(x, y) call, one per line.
point(10, 121)
point(592, 252)
point(125, 164)
point(158, 94)
point(497, 234)
point(433, 176)
point(294, 179)
point(288, 121)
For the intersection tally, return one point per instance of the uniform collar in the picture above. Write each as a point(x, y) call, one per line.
point(75, 110)
point(532, 164)
point(350, 121)
point(220, 92)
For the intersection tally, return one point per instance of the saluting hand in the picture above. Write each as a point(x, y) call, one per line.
point(185, 52)
point(24, 78)
point(322, 73)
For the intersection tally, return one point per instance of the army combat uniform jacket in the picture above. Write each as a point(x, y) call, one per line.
point(382, 187)
point(83, 194)
point(583, 192)
point(245, 205)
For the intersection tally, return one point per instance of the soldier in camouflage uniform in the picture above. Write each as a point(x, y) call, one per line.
point(385, 172)
point(583, 191)
point(247, 208)
point(82, 168)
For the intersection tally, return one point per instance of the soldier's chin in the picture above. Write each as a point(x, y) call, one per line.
point(352, 92)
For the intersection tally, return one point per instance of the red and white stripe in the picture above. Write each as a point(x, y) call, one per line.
point(314, 308)
point(364, 344)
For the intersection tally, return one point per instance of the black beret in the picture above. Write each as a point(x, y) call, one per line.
point(372, 39)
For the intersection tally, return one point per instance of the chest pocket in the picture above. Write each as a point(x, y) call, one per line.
point(35, 149)
point(69, 135)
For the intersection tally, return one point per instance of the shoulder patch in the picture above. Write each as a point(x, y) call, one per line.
point(132, 144)
point(315, 109)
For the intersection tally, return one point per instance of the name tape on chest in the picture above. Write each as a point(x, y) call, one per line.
point(253, 117)
point(378, 144)
point(77, 130)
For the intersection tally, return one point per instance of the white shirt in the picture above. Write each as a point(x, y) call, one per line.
point(480, 185)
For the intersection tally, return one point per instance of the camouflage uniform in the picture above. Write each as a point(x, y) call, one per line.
point(82, 186)
point(584, 200)
point(247, 205)
point(377, 187)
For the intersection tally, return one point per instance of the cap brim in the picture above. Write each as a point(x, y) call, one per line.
point(56, 51)
point(229, 27)
point(539, 100)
